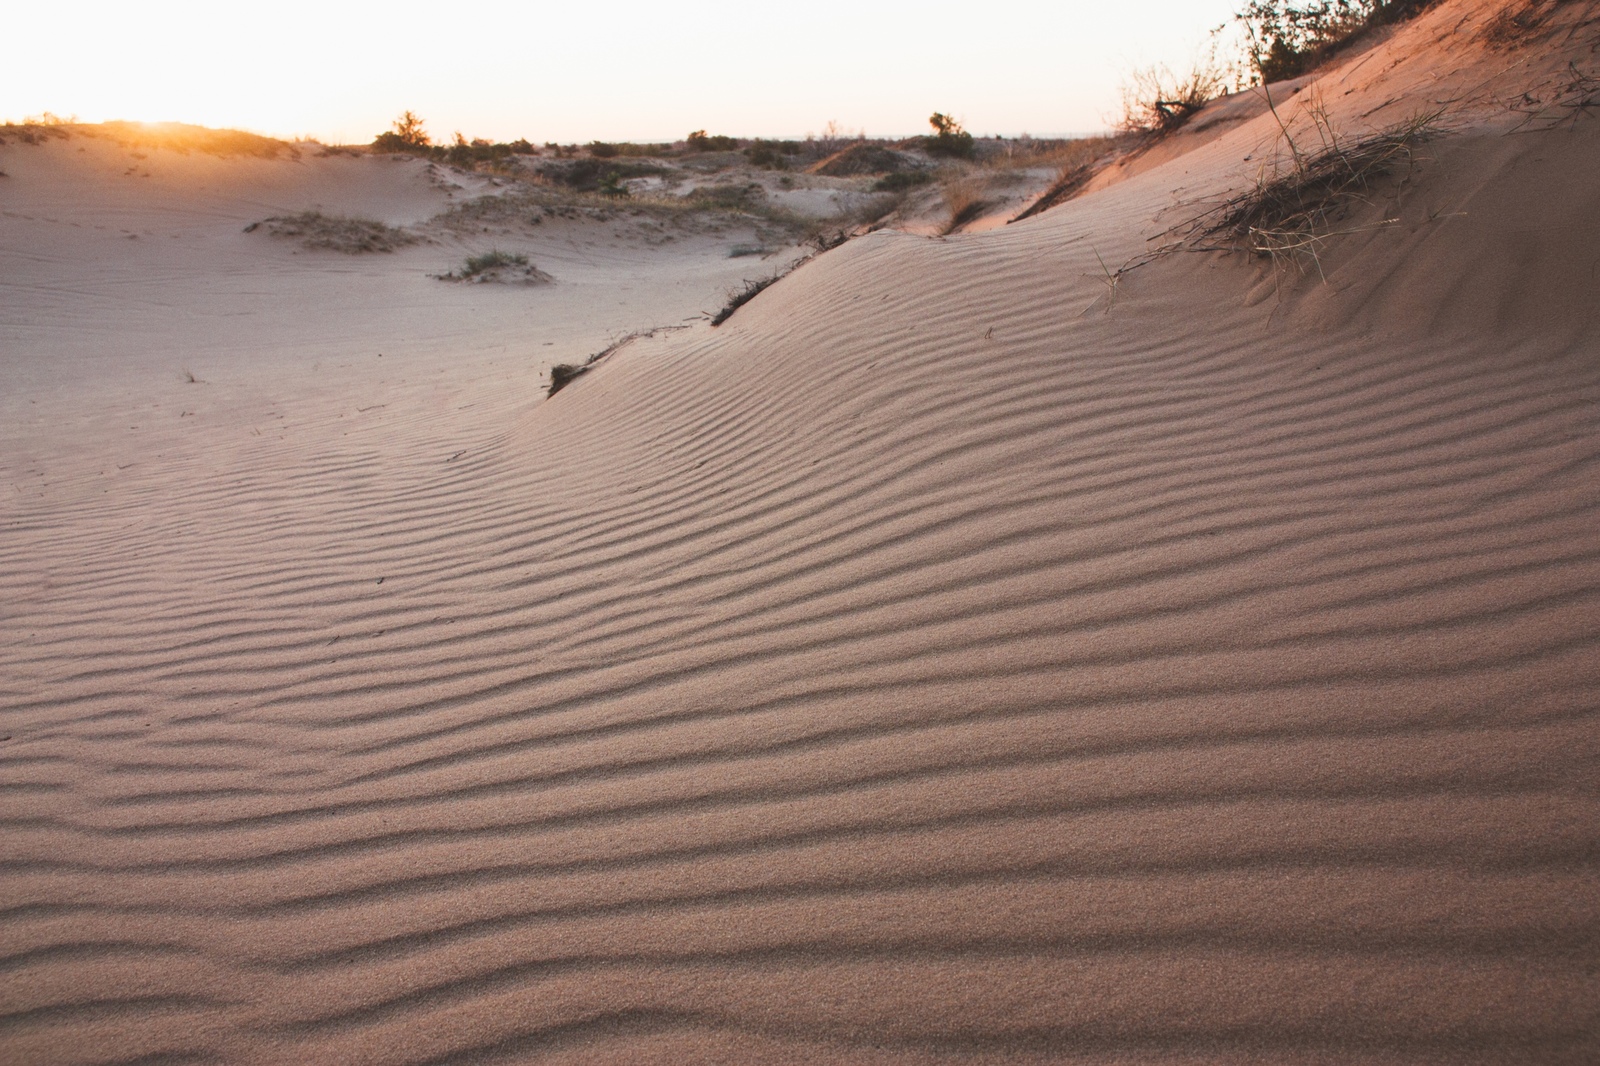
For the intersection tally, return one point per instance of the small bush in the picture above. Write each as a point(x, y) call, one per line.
point(495, 265)
point(771, 155)
point(493, 260)
point(699, 142)
point(352, 236)
point(948, 139)
point(407, 135)
point(611, 185)
point(1157, 101)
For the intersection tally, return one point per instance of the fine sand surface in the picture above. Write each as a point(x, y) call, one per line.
point(959, 656)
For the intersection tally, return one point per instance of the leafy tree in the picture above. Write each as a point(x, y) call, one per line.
point(948, 137)
point(407, 135)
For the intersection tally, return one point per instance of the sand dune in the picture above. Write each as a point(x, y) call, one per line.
point(953, 657)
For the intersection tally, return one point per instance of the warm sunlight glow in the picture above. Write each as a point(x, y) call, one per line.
point(567, 72)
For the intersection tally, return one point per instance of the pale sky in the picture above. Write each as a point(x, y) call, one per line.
point(606, 69)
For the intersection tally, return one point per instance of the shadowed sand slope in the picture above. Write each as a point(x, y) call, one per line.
point(959, 656)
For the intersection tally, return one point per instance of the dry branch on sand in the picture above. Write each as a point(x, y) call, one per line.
point(352, 236)
point(737, 298)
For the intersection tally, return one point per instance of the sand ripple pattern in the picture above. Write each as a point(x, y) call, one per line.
point(913, 670)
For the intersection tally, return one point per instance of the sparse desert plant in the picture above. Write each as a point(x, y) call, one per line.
point(966, 197)
point(352, 236)
point(611, 185)
point(949, 139)
point(1157, 101)
point(495, 265)
point(742, 295)
point(564, 374)
point(1288, 216)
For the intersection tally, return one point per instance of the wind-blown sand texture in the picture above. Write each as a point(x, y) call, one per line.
point(955, 657)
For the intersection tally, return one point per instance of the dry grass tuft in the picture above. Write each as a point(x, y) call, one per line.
point(966, 197)
point(498, 266)
point(352, 236)
point(737, 298)
point(1156, 101)
point(564, 374)
point(1289, 215)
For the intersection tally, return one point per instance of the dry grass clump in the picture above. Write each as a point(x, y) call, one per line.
point(737, 298)
point(966, 196)
point(564, 374)
point(1156, 101)
point(1289, 215)
point(498, 266)
point(352, 236)
point(1079, 161)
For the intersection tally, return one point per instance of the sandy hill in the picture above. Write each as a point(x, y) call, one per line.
point(1061, 643)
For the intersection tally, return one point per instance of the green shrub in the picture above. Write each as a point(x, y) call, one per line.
point(406, 136)
point(948, 139)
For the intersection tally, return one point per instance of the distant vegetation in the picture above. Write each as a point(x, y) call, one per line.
point(699, 142)
point(948, 139)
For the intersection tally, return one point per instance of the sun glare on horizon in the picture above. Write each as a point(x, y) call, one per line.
point(340, 73)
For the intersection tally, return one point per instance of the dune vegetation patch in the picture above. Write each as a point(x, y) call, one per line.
point(1289, 214)
point(564, 374)
point(498, 266)
point(337, 233)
